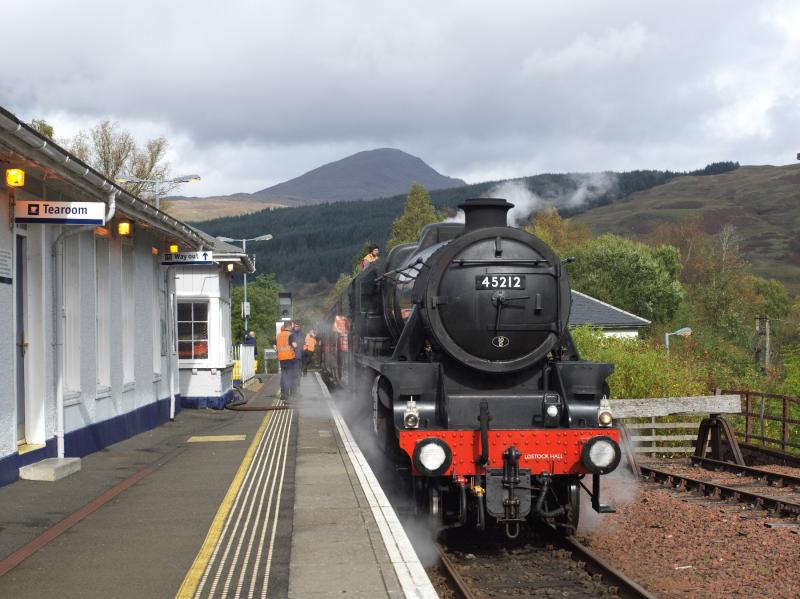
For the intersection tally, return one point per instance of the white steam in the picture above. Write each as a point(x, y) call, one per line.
point(587, 187)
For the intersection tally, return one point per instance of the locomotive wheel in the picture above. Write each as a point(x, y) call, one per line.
point(569, 495)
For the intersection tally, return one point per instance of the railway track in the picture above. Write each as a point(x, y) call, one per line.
point(547, 567)
point(745, 491)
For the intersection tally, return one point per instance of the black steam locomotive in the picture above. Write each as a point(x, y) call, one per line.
point(458, 346)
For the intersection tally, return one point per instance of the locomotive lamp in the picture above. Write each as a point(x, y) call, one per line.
point(604, 416)
point(601, 454)
point(552, 409)
point(432, 456)
point(411, 415)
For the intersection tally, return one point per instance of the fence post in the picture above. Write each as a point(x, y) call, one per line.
point(785, 423)
point(748, 423)
point(761, 418)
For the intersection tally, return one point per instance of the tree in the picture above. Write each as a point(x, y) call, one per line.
point(629, 275)
point(263, 297)
point(560, 234)
point(113, 152)
point(43, 127)
point(418, 213)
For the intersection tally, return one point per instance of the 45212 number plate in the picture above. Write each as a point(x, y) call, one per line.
point(489, 281)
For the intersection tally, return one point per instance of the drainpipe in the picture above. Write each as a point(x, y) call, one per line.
point(60, 315)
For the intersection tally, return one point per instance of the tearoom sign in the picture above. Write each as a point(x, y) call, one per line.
point(60, 213)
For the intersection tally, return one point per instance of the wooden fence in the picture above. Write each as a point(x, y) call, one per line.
point(652, 426)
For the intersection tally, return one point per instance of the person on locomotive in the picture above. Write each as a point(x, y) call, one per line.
point(286, 347)
point(373, 253)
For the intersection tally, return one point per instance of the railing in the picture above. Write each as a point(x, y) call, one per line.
point(772, 415)
point(244, 364)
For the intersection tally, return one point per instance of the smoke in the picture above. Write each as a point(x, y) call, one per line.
point(583, 189)
point(589, 187)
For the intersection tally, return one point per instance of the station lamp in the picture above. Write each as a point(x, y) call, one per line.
point(230, 267)
point(15, 177)
point(124, 228)
point(173, 248)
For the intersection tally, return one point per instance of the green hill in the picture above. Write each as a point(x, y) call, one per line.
point(762, 202)
point(319, 241)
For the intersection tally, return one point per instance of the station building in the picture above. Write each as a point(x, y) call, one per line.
point(97, 329)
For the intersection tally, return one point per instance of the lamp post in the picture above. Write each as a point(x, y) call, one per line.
point(157, 183)
point(246, 307)
point(684, 332)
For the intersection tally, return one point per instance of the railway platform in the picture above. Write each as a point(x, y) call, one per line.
point(270, 501)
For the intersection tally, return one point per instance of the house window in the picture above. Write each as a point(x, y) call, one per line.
point(193, 330)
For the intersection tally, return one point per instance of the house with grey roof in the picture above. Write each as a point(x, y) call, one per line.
point(613, 321)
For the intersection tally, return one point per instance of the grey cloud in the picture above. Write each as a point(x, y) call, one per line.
point(473, 88)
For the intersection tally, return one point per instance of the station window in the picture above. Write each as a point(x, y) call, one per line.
point(193, 330)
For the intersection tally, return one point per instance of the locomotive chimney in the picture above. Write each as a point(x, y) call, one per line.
point(484, 212)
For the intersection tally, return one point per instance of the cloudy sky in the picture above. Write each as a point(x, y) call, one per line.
point(253, 92)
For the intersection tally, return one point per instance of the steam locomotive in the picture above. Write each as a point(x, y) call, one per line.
point(458, 347)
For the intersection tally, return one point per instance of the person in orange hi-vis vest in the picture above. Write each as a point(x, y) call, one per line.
point(286, 346)
point(308, 349)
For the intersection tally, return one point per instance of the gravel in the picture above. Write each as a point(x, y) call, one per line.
point(678, 548)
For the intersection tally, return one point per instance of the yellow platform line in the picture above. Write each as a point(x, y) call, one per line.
point(216, 438)
point(195, 573)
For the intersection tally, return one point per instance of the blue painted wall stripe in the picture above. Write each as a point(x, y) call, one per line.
point(87, 440)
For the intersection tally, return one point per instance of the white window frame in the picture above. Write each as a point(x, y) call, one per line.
point(193, 300)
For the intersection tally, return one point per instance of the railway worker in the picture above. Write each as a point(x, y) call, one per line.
point(286, 347)
point(309, 347)
point(373, 253)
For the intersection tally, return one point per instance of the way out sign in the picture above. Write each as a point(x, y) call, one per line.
point(189, 258)
point(60, 213)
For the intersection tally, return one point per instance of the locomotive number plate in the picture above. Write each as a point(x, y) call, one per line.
point(489, 281)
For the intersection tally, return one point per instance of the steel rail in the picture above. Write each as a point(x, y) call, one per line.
point(627, 588)
point(778, 504)
point(774, 478)
point(594, 564)
point(452, 573)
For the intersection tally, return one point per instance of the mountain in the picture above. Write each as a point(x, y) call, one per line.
point(363, 176)
point(762, 202)
point(320, 241)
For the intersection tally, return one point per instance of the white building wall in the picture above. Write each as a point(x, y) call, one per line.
point(89, 405)
point(8, 417)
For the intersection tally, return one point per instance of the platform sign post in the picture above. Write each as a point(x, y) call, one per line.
point(188, 258)
point(59, 213)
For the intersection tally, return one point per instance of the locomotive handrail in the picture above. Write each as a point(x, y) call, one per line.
point(418, 265)
point(492, 261)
